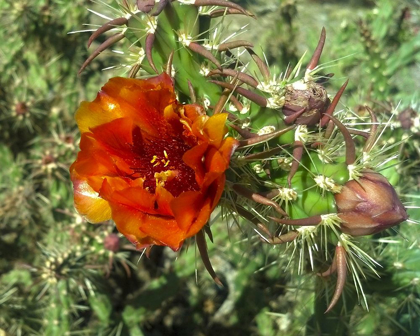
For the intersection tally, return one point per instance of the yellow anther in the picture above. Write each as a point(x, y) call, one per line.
point(166, 164)
point(156, 164)
point(154, 159)
point(166, 154)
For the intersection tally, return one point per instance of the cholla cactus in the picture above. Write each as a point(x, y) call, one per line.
point(297, 173)
point(295, 163)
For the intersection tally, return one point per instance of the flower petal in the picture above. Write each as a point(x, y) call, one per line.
point(116, 136)
point(118, 191)
point(215, 128)
point(144, 229)
point(194, 159)
point(186, 208)
point(87, 201)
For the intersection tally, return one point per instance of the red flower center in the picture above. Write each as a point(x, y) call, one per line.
point(159, 160)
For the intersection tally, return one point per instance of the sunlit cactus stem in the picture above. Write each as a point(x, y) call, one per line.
point(295, 164)
point(176, 28)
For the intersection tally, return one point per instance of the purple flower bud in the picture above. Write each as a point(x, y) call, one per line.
point(112, 242)
point(369, 205)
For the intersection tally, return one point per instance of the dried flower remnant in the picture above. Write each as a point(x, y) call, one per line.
point(112, 242)
point(154, 166)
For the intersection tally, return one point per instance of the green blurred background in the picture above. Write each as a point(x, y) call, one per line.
point(60, 275)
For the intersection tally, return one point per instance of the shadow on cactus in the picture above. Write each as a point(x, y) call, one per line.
point(288, 159)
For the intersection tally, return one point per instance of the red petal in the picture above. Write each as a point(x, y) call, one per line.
point(145, 229)
point(194, 159)
point(186, 208)
point(116, 136)
point(118, 191)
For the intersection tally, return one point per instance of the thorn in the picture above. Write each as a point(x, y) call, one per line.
point(202, 248)
point(160, 7)
point(341, 262)
point(263, 138)
point(244, 133)
point(297, 156)
point(192, 93)
point(329, 129)
point(249, 194)
point(264, 155)
point(247, 79)
point(324, 79)
point(221, 3)
point(308, 221)
point(331, 270)
point(199, 49)
point(318, 51)
point(260, 64)
point(361, 133)
point(350, 147)
point(222, 101)
point(288, 72)
point(292, 118)
point(236, 102)
point(264, 229)
point(148, 251)
point(284, 238)
point(207, 229)
point(333, 105)
point(150, 39)
point(134, 70)
point(373, 131)
point(110, 41)
point(168, 68)
point(228, 11)
point(256, 98)
point(247, 215)
point(223, 98)
point(234, 44)
point(107, 26)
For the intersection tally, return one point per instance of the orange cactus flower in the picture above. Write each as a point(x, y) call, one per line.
point(153, 165)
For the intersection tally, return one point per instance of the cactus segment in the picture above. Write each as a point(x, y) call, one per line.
point(296, 163)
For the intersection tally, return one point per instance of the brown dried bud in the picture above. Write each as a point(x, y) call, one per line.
point(112, 242)
point(21, 108)
point(369, 205)
point(145, 6)
point(406, 118)
point(47, 159)
point(311, 96)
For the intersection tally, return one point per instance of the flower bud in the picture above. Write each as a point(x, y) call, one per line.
point(369, 205)
point(309, 95)
point(112, 242)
